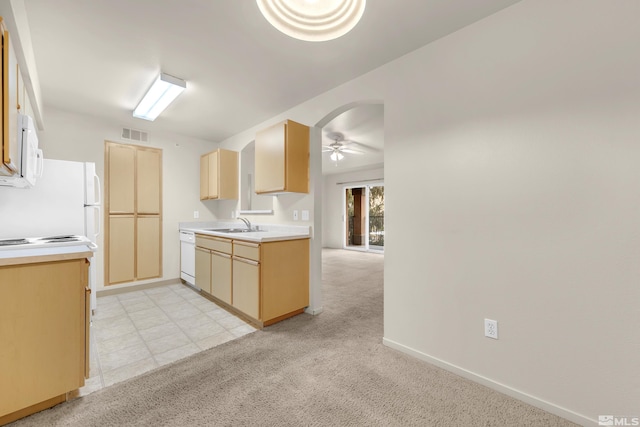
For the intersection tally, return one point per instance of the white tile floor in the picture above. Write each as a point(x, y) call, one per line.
point(135, 332)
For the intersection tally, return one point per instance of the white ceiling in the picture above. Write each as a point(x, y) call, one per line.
point(99, 57)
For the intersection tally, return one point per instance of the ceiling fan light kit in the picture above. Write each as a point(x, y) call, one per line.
point(313, 20)
point(338, 147)
point(335, 156)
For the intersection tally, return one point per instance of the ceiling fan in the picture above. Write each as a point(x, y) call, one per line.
point(339, 146)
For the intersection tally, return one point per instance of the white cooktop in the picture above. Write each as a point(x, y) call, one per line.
point(35, 246)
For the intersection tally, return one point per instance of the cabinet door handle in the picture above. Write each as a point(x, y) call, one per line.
point(246, 261)
point(247, 244)
point(222, 254)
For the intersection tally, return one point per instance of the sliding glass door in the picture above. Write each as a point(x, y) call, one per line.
point(364, 217)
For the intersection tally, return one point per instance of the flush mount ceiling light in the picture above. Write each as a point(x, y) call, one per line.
point(313, 20)
point(164, 90)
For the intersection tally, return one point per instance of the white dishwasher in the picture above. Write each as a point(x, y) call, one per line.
point(188, 257)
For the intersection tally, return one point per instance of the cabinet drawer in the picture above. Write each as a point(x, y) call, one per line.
point(246, 250)
point(215, 244)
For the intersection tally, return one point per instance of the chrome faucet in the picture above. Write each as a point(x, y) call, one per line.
point(246, 222)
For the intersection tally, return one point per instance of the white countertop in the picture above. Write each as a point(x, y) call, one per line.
point(267, 233)
point(44, 254)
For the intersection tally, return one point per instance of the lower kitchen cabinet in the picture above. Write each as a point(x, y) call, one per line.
point(284, 279)
point(213, 266)
point(262, 282)
point(203, 269)
point(221, 276)
point(246, 286)
point(44, 331)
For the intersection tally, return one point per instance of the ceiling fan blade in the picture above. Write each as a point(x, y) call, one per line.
point(350, 151)
point(327, 150)
point(362, 146)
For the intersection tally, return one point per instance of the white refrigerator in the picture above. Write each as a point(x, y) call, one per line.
point(64, 201)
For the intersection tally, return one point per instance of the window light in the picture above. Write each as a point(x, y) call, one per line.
point(164, 90)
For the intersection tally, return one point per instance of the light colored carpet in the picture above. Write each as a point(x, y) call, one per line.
point(325, 370)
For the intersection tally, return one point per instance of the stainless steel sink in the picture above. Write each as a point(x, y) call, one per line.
point(232, 230)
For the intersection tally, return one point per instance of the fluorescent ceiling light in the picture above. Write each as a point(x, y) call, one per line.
point(164, 90)
point(313, 20)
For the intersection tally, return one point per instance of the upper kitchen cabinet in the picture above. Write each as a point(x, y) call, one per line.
point(219, 175)
point(9, 103)
point(282, 159)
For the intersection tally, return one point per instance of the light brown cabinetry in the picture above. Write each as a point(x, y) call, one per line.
point(148, 246)
point(262, 282)
point(219, 175)
point(203, 269)
point(9, 152)
point(217, 280)
point(121, 245)
point(282, 158)
point(221, 276)
point(148, 181)
point(44, 331)
point(134, 209)
point(121, 178)
point(246, 286)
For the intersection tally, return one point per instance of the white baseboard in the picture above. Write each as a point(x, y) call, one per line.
point(509, 391)
point(313, 311)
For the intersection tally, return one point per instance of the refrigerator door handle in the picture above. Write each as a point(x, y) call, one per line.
point(40, 169)
point(96, 180)
point(98, 221)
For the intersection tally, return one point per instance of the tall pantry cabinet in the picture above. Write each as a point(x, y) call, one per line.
point(133, 201)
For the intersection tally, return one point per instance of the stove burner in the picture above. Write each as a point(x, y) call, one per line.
point(11, 242)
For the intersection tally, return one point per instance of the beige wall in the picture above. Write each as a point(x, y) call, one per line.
point(513, 143)
point(81, 138)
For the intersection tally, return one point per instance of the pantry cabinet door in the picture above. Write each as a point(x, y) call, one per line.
point(121, 248)
point(148, 247)
point(149, 181)
point(121, 178)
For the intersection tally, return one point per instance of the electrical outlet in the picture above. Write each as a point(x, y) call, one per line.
point(491, 328)
point(196, 214)
point(305, 215)
point(295, 215)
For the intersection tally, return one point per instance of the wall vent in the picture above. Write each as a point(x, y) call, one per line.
point(135, 135)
